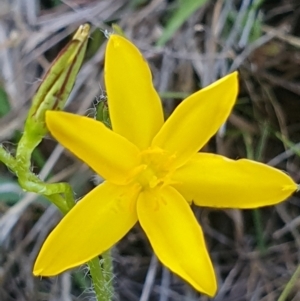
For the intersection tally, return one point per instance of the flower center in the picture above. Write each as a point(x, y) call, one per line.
point(155, 169)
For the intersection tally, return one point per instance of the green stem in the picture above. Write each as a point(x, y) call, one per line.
point(25, 147)
point(256, 214)
point(101, 288)
point(7, 158)
point(108, 271)
point(285, 293)
point(58, 201)
point(30, 182)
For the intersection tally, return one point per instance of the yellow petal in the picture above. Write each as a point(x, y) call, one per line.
point(134, 105)
point(198, 118)
point(94, 225)
point(215, 181)
point(107, 153)
point(176, 237)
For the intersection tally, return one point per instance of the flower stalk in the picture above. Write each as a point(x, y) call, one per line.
point(102, 277)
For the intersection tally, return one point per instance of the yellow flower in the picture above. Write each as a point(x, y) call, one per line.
point(153, 171)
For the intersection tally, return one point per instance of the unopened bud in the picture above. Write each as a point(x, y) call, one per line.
point(58, 82)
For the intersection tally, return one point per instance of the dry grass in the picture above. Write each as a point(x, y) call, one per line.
point(216, 39)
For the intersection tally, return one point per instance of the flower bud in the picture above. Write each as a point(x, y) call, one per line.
point(57, 83)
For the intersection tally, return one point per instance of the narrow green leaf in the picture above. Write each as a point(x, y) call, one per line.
point(184, 11)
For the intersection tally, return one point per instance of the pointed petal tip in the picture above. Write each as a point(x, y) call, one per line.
point(234, 74)
point(37, 269)
point(118, 37)
point(212, 291)
point(290, 189)
point(40, 271)
point(115, 37)
point(210, 288)
point(232, 80)
point(115, 40)
point(37, 272)
point(52, 271)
